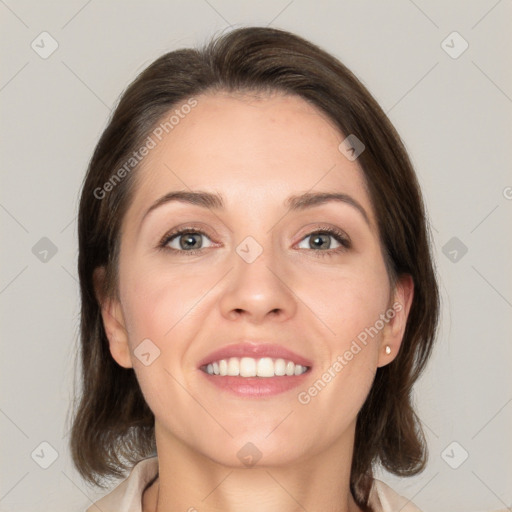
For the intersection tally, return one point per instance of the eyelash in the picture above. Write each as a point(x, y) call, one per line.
point(337, 234)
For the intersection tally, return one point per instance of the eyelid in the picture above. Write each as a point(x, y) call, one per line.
point(337, 233)
point(177, 231)
point(326, 228)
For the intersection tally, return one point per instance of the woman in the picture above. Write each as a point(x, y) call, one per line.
point(258, 294)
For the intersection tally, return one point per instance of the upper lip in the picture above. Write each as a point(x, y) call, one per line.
point(255, 350)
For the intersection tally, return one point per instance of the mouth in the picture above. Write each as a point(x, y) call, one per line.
point(255, 370)
point(245, 367)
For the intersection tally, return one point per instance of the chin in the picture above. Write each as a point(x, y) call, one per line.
point(254, 449)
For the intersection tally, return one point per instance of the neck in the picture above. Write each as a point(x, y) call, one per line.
point(189, 481)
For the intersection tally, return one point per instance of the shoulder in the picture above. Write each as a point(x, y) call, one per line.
point(385, 499)
point(127, 496)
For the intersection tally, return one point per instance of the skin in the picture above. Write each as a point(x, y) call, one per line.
point(256, 152)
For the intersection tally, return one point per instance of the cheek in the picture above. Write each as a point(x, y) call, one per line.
point(156, 301)
point(349, 298)
point(161, 306)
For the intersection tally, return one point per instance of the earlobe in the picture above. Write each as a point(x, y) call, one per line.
point(399, 311)
point(113, 322)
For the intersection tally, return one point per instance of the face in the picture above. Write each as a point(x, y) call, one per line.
point(257, 273)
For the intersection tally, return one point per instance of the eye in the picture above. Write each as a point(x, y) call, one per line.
point(189, 241)
point(184, 240)
point(320, 239)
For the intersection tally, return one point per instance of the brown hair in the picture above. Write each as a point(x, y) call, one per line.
point(113, 427)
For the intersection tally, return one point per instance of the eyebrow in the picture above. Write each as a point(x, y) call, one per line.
point(300, 202)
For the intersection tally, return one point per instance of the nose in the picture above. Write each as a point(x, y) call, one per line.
point(258, 291)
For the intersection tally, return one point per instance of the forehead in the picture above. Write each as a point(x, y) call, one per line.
point(251, 149)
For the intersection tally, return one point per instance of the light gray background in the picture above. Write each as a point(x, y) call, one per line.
point(454, 115)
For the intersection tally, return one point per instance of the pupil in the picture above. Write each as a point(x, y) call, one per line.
point(188, 241)
point(318, 239)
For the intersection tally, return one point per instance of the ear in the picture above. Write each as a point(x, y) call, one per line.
point(393, 333)
point(113, 321)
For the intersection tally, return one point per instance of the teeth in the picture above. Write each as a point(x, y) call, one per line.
point(250, 367)
point(280, 367)
point(266, 367)
point(247, 367)
point(233, 367)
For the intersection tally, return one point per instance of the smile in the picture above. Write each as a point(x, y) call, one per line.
point(264, 367)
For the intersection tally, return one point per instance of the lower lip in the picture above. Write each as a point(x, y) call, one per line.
point(256, 386)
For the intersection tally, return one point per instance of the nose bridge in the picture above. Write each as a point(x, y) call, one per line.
point(257, 283)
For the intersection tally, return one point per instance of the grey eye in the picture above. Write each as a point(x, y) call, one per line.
point(189, 240)
point(320, 240)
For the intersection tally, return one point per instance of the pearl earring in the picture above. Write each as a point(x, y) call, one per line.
point(388, 350)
